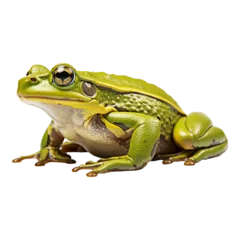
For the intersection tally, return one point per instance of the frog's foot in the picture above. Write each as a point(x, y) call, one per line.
point(183, 156)
point(22, 158)
point(192, 157)
point(187, 161)
point(122, 163)
point(46, 155)
point(206, 153)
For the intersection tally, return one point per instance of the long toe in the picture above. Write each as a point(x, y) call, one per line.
point(17, 160)
point(92, 174)
point(167, 161)
point(189, 162)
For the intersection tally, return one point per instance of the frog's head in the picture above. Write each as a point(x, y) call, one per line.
point(62, 85)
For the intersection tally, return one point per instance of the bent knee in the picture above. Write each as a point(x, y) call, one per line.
point(196, 131)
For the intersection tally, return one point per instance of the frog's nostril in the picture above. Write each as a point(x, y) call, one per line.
point(33, 79)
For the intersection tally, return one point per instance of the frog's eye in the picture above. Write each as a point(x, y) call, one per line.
point(88, 89)
point(63, 76)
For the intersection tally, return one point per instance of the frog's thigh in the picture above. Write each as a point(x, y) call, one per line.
point(144, 140)
point(196, 132)
point(146, 132)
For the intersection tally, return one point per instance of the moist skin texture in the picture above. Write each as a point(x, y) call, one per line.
point(133, 102)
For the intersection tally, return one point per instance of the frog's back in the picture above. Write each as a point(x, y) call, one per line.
point(126, 84)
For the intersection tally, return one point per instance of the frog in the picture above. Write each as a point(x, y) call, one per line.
point(125, 122)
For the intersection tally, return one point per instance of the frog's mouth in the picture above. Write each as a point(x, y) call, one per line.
point(39, 98)
point(35, 100)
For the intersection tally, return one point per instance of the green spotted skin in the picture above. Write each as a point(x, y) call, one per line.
point(139, 103)
point(124, 121)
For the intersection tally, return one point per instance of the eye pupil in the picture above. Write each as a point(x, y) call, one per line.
point(63, 76)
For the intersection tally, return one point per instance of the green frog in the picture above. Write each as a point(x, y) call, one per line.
point(126, 122)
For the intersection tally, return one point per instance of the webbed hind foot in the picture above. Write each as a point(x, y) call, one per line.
point(181, 157)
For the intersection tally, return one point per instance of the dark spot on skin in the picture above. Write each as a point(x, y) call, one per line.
point(120, 109)
point(214, 142)
point(48, 140)
point(122, 126)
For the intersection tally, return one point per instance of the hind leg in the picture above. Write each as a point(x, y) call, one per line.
point(196, 134)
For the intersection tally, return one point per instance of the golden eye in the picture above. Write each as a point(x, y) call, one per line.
point(63, 76)
point(88, 89)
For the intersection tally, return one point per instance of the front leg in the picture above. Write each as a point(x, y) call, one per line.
point(49, 149)
point(146, 132)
